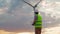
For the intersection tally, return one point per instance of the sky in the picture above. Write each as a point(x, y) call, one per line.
point(17, 16)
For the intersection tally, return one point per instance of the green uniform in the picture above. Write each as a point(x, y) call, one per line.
point(38, 22)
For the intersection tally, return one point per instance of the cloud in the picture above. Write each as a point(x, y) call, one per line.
point(50, 13)
point(53, 30)
point(15, 21)
point(19, 16)
point(5, 32)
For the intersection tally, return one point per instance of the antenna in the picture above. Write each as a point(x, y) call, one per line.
point(34, 5)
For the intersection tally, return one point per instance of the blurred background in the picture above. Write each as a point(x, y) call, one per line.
point(16, 16)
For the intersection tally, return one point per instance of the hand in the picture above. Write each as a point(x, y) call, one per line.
point(32, 24)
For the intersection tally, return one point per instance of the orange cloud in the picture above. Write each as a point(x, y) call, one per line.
point(5, 32)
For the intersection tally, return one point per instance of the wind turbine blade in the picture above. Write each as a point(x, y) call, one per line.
point(37, 3)
point(28, 3)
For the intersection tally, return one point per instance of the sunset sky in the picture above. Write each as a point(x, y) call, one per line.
point(16, 16)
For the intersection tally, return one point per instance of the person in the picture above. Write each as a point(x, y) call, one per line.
point(37, 23)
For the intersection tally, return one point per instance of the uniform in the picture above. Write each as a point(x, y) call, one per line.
point(38, 23)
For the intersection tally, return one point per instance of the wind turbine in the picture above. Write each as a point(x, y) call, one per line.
point(34, 7)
